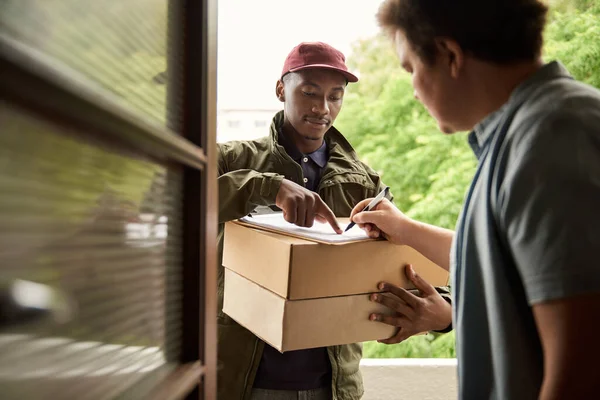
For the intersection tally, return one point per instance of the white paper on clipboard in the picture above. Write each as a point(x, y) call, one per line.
point(320, 232)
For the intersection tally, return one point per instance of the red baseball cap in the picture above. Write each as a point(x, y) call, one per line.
point(316, 55)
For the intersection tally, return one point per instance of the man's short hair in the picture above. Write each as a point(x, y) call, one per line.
point(499, 31)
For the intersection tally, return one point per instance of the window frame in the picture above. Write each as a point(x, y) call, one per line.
point(35, 83)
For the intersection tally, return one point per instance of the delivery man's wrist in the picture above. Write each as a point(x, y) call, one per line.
point(450, 327)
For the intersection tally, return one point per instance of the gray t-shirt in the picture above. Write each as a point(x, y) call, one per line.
point(529, 231)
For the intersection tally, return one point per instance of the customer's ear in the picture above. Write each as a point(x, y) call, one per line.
point(451, 55)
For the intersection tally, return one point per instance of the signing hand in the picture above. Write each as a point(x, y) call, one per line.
point(301, 206)
point(414, 314)
point(385, 220)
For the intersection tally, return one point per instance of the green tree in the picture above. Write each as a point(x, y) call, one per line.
point(573, 37)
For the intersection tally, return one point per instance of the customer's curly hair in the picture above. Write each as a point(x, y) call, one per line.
point(500, 31)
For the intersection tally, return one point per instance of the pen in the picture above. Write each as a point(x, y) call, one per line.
point(372, 204)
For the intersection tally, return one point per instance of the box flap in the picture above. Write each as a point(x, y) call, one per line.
point(259, 256)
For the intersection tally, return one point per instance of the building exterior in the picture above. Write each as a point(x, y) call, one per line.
point(243, 123)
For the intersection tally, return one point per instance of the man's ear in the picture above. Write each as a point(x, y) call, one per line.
point(451, 54)
point(280, 91)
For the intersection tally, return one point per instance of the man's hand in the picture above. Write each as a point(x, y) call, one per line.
point(385, 220)
point(413, 314)
point(301, 206)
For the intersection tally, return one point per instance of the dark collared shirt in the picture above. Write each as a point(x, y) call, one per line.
point(312, 164)
point(300, 369)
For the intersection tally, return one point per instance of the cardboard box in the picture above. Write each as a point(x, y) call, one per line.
point(302, 269)
point(301, 324)
point(298, 294)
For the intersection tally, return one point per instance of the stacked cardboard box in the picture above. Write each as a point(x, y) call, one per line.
point(297, 294)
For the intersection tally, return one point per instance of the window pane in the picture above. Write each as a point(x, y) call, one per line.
point(119, 45)
point(90, 256)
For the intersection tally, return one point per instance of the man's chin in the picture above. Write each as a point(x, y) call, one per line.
point(446, 129)
point(313, 137)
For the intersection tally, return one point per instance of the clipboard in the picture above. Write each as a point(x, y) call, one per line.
point(320, 232)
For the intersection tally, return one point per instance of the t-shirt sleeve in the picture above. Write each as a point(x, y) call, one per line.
point(549, 204)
